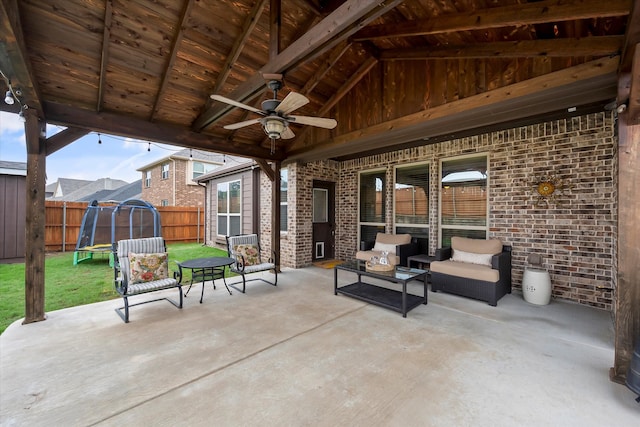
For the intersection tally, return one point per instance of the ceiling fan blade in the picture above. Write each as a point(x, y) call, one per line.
point(291, 102)
point(320, 122)
point(242, 124)
point(287, 133)
point(236, 104)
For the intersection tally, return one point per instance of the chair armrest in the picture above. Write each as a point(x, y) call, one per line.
point(443, 253)
point(502, 263)
point(407, 250)
point(366, 246)
point(178, 274)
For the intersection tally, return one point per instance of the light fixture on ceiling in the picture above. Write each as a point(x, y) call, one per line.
point(8, 98)
point(273, 126)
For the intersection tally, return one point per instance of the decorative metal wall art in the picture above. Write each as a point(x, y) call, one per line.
point(547, 189)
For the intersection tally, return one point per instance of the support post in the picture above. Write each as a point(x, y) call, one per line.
point(275, 214)
point(35, 132)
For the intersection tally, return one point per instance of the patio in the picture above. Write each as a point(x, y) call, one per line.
point(298, 355)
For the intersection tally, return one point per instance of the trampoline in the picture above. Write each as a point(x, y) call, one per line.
point(103, 226)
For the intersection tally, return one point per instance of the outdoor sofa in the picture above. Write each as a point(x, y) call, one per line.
point(474, 268)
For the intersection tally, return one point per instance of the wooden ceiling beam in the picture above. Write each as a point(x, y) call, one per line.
point(362, 71)
point(336, 27)
point(173, 53)
point(64, 138)
point(104, 52)
point(496, 17)
point(629, 68)
point(586, 83)
point(14, 62)
point(128, 126)
point(275, 25)
point(247, 28)
point(334, 57)
point(587, 46)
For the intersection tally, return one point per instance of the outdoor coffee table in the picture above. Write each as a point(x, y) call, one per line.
point(205, 269)
point(396, 300)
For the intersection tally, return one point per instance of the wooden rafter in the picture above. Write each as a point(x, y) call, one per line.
point(275, 25)
point(629, 69)
point(64, 138)
point(588, 46)
point(14, 61)
point(129, 126)
point(335, 28)
point(175, 43)
point(104, 52)
point(247, 28)
point(362, 71)
point(514, 15)
point(335, 55)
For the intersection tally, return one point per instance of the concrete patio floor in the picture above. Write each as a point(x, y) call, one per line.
point(297, 355)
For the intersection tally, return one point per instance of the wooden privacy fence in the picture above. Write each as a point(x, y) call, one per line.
point(64, 219)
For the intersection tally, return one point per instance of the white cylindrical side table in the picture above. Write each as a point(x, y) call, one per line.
point(536, 286)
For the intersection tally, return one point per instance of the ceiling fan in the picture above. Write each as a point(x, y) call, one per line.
point(276, 117)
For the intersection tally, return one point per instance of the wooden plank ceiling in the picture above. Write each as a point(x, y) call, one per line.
point(394, 73)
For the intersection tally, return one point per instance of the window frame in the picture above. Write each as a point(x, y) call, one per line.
point(380, 225)
point(486, 226)
point(228, 215)
point(164, 171)
point(147, 179)
point(427, 226)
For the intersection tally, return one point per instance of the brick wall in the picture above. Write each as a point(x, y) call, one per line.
point(163, 189)
point(577, 237)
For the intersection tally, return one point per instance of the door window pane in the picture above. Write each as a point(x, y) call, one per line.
point(320, 208)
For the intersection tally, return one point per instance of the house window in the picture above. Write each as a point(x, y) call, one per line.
point(165, 171)
point(463, 198)
point(372, 202)
point(147, 179)
point(164, 202)
point(199, 169)
point(411, 201)
point(284, 185)
point(228, 218)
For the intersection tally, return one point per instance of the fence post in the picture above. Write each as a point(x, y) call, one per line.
point(64, 226)
point(198, 233)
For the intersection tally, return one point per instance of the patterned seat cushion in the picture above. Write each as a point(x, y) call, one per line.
point(148, 267)
point(156, 285)
point(249, 253)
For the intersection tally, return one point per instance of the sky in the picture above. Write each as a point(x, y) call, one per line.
point(117, 157)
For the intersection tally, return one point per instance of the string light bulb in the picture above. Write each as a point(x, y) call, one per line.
point(8, 98)
point(149, 147)
point(99, 140)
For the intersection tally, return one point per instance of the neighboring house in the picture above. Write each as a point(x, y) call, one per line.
point(170, 181)
point(128, 191)
point(64, 186)
point(13, 189)
point(75, 190)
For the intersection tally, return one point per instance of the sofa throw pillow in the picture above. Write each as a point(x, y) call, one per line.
point(148, 267)
point(250, 254)
point(471, 258)
point(389, 247)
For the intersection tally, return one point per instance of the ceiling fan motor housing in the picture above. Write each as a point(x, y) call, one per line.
point(270, 105)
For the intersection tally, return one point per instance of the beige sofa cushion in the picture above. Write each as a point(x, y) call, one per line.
point(394, 239)
point(463, 269)
point(476, 246)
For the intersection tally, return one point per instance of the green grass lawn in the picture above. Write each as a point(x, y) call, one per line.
point(68, 285)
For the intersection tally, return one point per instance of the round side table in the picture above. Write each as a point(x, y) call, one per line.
point(536, 286)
